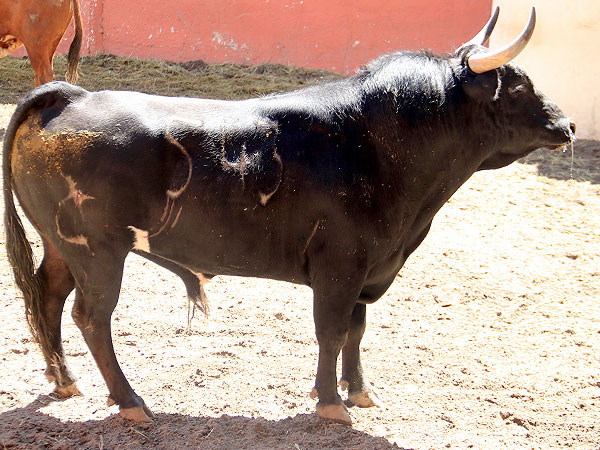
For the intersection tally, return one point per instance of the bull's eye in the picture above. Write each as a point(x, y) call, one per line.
point(516, 90)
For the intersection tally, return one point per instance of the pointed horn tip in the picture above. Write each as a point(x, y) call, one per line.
point(483, 36)
point(484, 62)
point(532, 19)
point(494, 17)
point(493, 20)
point(531, 24)
point(533, 15)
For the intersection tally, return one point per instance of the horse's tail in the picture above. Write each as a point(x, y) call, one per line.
point(75, 48)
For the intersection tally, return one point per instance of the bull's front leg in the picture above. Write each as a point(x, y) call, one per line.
point(359, 390)
point(333, 308)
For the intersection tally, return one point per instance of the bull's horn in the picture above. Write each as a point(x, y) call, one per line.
point(484, 61)
point(484, 35)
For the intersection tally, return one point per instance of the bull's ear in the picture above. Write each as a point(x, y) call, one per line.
point(481, 87)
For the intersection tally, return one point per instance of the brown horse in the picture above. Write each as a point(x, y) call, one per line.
point(39, 26)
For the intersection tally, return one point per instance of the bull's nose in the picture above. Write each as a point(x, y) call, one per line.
point(572, 126)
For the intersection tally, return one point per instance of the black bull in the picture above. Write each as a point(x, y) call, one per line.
point(332, 186)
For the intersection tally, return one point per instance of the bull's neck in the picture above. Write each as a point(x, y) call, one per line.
point(425, 163)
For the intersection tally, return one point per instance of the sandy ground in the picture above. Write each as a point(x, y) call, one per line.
point(488, 339)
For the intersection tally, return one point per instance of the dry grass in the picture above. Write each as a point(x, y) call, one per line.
point(190, 79)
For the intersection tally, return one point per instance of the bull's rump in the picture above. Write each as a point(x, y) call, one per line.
point(199, 182)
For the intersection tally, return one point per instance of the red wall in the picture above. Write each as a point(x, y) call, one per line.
point(338, 35)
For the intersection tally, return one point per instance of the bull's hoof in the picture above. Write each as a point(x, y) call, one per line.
point(139, 414)
point(313, 394)
point(335, 413)
point(365, 399)
point(67, 391)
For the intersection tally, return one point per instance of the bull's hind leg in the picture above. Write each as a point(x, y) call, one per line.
point(99, 283)
point(57, 282)
point(359, 390)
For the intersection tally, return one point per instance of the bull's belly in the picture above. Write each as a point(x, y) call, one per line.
point(229, 250)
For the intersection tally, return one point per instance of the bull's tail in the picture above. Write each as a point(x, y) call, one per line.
point(75, 48)
point(20, 255)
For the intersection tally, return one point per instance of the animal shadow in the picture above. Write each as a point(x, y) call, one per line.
point(582, 165)
point(29, 428)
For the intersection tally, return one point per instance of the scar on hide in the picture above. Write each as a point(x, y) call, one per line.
point(245, 161)
point(177, 217)
point(78, 198)
point(77, 240)
point(76, 194)
point(264, 198)
point(240, 166)
point(312, 235)
point(173, 195)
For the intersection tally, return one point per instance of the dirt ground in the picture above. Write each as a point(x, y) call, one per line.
point(488, 339)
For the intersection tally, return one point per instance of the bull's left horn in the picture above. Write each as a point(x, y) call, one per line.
point(484, 61)
point(484, 35)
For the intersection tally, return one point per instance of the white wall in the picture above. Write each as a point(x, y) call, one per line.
point(563, 57)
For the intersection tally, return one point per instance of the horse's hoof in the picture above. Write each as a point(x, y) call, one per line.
point(335, 413)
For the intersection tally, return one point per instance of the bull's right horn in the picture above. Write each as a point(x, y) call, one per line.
point(490, 60)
